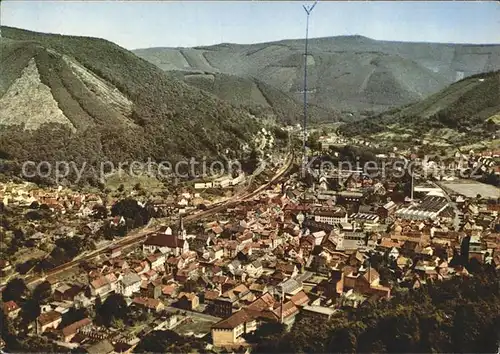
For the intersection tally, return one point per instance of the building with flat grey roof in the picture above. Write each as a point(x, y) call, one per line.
point(319, 311)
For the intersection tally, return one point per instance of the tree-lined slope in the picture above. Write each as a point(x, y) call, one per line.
point(256, 96)
point(469, 108)
point(78, 98)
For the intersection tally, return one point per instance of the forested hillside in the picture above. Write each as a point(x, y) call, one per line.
point(454, 316)
point(87, 99)
point(468, 107)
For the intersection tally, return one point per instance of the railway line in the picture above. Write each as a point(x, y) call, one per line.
point(138, 236)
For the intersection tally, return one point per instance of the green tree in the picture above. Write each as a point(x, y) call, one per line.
point(167, 342)
point(30, 310)
point(15, 290)
point(112, 309)
point(8, 332)
point(313, 142)
point(42, 291)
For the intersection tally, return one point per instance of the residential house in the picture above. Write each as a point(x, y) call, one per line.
point(307, 244)
point(210, 295)
point(65, 292)
point(216, 253)
point(223, 305)
point(202, 241)
point(332, 287)
point(300, 299)
point(156, 261)
point(286, 313)
point(150, 276)
point(254, 269)
point(369, 283)
point(290, 287)
point(153, 289)
point(117, 263)
point(258, 289)
point(103, 285)
point(70, 331)
point(140, 267)
point(228, 331)
point(169, 290)
point(321, 312)
point(11, 309)
point(386, 210)
point(188, 301)
point(46, 320)
point(149, 303)
point(235, 267)
point(129, 284)
point(115, 252)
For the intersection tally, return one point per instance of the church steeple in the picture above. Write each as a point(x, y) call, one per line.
point(181, 232)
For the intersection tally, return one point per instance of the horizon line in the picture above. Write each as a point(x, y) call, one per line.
point(259, 43)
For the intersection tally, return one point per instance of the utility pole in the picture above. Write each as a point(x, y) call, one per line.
point(281, 307)
point(412, 179)
point(308, 10)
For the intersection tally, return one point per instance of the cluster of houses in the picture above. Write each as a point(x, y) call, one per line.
point(58, 200)
point(288, 252)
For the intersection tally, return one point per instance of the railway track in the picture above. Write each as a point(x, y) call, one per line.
point(138, 236)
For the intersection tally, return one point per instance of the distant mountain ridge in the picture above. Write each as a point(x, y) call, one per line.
point(346, 73)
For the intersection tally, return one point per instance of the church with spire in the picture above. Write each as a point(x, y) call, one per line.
point(168, 240)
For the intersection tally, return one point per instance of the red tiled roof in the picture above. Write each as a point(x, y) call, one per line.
point(211, 295)
point(9, 306)
point(289, 309)
point(189, 296)
point(169, 289)
point(147, 302)
point(74, 327)
point(234, 320)
point(99, 282)
point(162, 240)
point(48, 317)
point(264, 302)
point(285, 268)
point(300, 298)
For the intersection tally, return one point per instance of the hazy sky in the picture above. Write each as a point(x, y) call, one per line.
point(143, 24)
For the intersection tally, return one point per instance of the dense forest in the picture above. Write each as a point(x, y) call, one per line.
point(165, 119)
point(461, 315)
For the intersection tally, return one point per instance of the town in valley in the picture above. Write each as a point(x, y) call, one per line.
point(360, 213)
